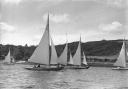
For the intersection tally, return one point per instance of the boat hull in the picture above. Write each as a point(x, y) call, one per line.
point(9, 63)
point(45, 69)
point(76, 67)
point(119, 68)
point(81, 67)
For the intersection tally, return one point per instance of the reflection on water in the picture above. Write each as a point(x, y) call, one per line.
point(16, 77)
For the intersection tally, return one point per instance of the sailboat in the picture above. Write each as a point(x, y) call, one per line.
point(70, 60)
point(9, 59)
point(63, 57)
point(77, 58)
point(41, 55)
point(84, 62)
point(121, 60)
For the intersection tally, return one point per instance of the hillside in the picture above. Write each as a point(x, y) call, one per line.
point(94, 48)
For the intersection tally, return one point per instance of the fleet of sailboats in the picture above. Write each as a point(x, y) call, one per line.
point(77, 59)
point(45, 56)
point(41, 55)
point(121, 60)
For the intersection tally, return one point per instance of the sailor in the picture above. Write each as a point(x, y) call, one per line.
point(38, 65)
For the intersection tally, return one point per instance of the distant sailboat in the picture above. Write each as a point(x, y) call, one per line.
point(77, 58)
point(9, 59)
point(121, 60)
point(84, 59)
point(41, 54)
point(70, 60)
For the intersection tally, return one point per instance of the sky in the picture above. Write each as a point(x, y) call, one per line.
point(23, 21)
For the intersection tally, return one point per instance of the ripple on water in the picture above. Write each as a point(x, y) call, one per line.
point(27, 87)
point(82, 80)
point(16, 77)
point(59, 84)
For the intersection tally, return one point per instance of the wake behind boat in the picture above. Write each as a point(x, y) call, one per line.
point(42, 54)
point(121, 60)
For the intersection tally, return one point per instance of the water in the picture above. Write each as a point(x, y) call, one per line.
point(16, 77)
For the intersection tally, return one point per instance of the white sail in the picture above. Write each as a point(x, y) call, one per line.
point(41, 53)
point(71, 59)
point(63, 57)
point(84, 59)
point(13, 60)
point(54, 57)
point(77, 56)
point(121, 60)
point(8, 58)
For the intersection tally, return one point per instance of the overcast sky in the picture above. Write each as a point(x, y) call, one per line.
point(23, 21)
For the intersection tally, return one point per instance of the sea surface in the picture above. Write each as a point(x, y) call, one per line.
point(17, 77)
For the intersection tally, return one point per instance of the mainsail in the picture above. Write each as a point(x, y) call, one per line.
point(84, 59)
point(71, 59)
point(77, 56)
point(54, 57)
point(8, 58)
point(41, 53)
point(121, 60)
point(63, 57)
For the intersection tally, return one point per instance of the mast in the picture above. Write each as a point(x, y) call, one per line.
point(48, 37)
point(126, 56)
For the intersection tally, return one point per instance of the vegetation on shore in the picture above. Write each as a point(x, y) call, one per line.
point(94, 48)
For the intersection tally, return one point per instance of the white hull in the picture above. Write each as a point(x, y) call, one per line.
point(119, 68)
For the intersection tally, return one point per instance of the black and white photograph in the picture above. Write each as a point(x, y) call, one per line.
point(63, 44)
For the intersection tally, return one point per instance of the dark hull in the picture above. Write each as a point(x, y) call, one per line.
point(9, 63)
point(81, 67)
point(45, 69)
point(77, 67)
